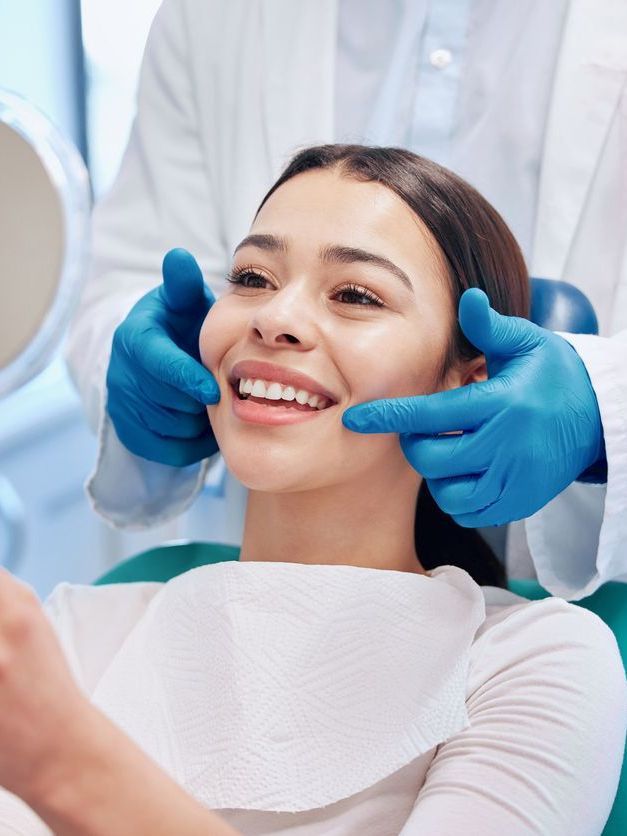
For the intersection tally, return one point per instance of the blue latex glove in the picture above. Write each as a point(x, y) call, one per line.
point(157, 388)
point(529, 431)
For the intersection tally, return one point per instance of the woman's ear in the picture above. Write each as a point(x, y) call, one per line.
point(474, 371)
point(465, 372)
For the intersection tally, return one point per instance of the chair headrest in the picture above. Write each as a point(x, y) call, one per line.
point(560, 306)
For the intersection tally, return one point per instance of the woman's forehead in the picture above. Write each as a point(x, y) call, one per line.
point(323, 208)
point(327, 195)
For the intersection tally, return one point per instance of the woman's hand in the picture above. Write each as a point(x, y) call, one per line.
point(77, 770)
point(39, 699)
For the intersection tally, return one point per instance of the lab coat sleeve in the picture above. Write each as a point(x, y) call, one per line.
point(163, 197)
point(579, 540)
point(547, 706)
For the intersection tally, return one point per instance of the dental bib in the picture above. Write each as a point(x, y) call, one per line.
point(286, 687)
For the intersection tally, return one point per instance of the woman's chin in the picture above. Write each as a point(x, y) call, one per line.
point(263, 470)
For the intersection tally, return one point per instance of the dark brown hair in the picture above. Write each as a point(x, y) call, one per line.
point(479, 251)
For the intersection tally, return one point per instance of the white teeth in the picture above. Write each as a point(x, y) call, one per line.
point(273, 391)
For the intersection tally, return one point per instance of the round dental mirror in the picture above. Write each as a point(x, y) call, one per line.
point(44, 211)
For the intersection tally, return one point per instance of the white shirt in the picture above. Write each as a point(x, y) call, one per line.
point(329, 700)
point(440, 77)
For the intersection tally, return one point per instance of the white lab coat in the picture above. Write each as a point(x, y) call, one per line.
point(228, 92)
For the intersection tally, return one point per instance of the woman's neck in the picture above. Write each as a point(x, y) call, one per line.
point(370, 524)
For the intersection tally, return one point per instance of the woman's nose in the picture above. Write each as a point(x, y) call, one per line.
point(285, 318)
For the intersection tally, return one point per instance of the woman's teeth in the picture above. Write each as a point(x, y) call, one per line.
point(272, 391)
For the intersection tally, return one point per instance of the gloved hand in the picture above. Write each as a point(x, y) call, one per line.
point(530, 430)
point(157, 388)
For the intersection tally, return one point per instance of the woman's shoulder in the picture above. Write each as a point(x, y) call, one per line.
point(551, 638)
point(92, 622)
point(505, 609)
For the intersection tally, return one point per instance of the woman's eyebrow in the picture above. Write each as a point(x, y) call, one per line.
point(338, 254)
point(268, 242)
point(331, 254)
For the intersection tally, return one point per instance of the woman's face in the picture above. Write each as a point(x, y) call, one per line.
point(342, 283)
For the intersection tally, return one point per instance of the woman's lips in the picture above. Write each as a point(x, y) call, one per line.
point(275, 413)
point(262, 370)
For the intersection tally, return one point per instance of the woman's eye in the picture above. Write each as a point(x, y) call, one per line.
point(355, 295)
point(246, 278)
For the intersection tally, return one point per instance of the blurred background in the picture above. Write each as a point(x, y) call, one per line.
point(77, 61)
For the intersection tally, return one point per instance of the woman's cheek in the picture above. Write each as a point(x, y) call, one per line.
point(204, 346)
point(393, 357)
point(415, 369)
point(395, 375)
point(213, 337)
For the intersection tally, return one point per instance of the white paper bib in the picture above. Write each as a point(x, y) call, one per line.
point(286, 687)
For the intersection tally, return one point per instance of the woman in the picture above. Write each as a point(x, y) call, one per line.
point(328, 681)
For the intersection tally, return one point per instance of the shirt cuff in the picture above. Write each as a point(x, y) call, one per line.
point(133, 493)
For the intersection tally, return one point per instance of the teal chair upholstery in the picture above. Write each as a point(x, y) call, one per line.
point(167, 561)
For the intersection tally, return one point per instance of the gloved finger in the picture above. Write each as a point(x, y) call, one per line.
point(183, 285)
point(496, 514)
point(167, 396)
point(170, 424)
point(173, 452)
point(166, 362)
point(467, 494)
point(464, 408)
point(494, 334)
point(447, 456)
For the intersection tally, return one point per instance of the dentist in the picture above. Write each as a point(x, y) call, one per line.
point(227, 92)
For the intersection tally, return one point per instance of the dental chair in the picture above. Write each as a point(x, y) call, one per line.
point(556, 305)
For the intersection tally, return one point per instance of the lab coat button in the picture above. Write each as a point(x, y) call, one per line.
point(440, 58)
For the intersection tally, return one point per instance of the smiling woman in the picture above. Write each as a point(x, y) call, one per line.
point(329, 681)
point(353, 270)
